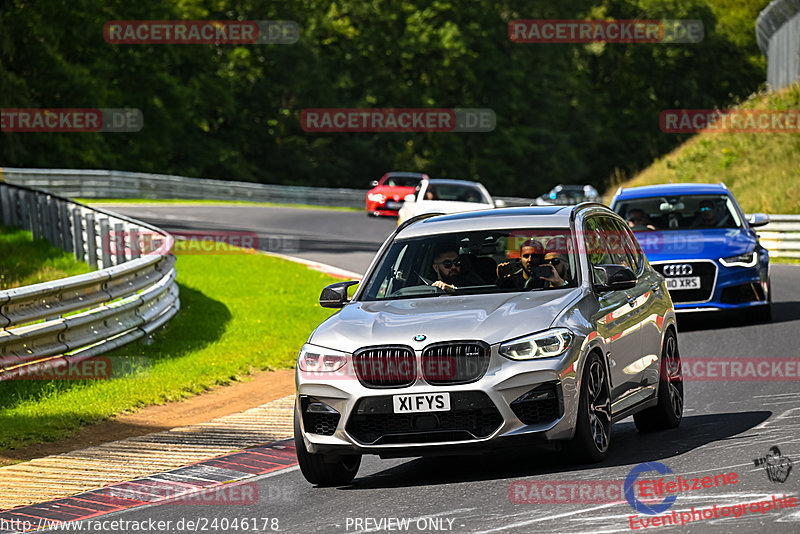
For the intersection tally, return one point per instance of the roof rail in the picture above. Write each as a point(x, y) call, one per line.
point(416, 218)
point(725, 187)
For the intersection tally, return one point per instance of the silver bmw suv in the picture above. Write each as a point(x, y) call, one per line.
point(489, 328)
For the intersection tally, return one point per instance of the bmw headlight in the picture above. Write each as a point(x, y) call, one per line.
point(547, 344)
point(315, 359)
point(748, 259)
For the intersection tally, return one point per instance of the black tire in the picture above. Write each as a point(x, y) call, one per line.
point(324, 469)
point(669, 410)
point(593, 425)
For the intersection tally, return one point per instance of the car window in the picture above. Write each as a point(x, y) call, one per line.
point(487, 262)
point(629, 247)
point(679, 212)
point(605, 245)
point(455, 192)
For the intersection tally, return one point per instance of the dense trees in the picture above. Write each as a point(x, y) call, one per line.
point(565, 112)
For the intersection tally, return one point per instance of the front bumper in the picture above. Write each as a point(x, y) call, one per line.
point(734, 288)
point(481, 415)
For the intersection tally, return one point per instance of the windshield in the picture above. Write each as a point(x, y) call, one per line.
point(680, 212)
point(455, 192)
point(401, 181)
point(475, 263)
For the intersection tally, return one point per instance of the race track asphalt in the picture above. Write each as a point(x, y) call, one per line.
point(728, 425)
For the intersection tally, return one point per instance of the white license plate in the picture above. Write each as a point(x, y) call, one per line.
point(394, 205)
point(423, 402)
point(683, 282)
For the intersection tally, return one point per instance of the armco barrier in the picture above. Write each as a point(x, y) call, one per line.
point(75, 318)
point(781, 236)
point(117, 184)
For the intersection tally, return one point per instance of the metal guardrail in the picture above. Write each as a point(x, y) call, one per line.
point(778, 36)
point(69, 320)
point(781, 236)
point(117, 184)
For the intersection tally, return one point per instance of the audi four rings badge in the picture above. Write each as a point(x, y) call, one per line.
point(679, 269)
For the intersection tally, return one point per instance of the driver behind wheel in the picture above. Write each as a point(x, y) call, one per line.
point(448, 268)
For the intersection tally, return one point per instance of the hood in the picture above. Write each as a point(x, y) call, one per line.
point(696, 244)
point(394, 192)
point(491, 318)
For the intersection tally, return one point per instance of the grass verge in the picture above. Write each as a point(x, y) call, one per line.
point(210, 202)
point(761, 169)
point(238, 313)
point(25, 261)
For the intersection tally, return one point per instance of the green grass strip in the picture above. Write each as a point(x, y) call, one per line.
point(239, 313)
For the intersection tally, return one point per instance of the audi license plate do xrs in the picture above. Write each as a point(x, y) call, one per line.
point(423, 402)
point(683, 282)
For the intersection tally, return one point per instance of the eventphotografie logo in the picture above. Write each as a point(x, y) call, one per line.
point(671, 31)
point(323, 120)
point(239, 32)
point(71, 120)
point(777, 466)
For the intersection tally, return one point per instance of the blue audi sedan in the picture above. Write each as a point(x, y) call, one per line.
point(698, 238)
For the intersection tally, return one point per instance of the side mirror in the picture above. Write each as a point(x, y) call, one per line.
point(758, 219)
point(373, 183)
point(499, 203)
point(335, 295)
point(617, 277)
point(410, 198)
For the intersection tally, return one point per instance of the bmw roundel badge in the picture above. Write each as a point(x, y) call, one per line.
point(420, 337)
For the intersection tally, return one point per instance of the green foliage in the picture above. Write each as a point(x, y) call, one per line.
point(762, 169)
point(566, 113)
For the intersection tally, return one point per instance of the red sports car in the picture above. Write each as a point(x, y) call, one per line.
point(387, 194)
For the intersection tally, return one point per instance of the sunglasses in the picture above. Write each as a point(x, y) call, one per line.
point(447, 264)
point(555, 261)
point(705, 209)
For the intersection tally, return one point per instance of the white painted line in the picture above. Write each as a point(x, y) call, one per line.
point(317, 266)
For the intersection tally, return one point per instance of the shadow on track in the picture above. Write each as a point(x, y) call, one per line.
point(628, 448)
point(782, 312)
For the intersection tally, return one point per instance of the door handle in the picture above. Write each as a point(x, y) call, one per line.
point(655, 287)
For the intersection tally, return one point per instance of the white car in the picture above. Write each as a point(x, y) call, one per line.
point(446, 196)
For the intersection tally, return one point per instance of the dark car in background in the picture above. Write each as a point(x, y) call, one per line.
point(387, 194)
point(569, 195)
point(697, 236)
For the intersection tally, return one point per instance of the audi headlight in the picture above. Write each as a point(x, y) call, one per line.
point(315, 359)
point(547, 344)
point(376, 197)
point(748, 259)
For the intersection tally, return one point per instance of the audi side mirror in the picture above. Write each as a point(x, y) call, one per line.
point(335, 295)
point(758, 219)
point(617, 277)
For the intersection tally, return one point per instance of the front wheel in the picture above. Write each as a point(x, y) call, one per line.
point(324, 469)
point(669, 410)
point(593, 425)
